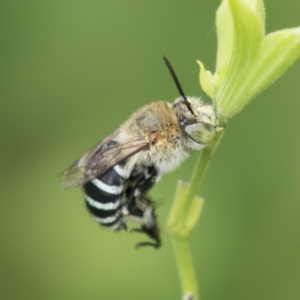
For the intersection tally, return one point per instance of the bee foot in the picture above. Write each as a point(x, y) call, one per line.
point(143, 244)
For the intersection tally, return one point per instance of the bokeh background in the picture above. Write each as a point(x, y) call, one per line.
point(71, 72)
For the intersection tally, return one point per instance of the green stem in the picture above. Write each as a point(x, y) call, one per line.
point(199, 171)
point(184, 214)
point(180, 230)
point(185, 267)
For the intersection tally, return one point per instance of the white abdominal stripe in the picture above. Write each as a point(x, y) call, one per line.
point(122, 171)
point(102, 206)
point(106, 217)
point(103, 198)
point(118, 195)
point(115, 224)
point(110, 189)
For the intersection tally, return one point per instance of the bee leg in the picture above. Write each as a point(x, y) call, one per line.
point(152, 232)
point(122, 226)
point(140, 209)
point(144, 184)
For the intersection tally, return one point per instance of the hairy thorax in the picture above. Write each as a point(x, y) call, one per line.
point(169, 145)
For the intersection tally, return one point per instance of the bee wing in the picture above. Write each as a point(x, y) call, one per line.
point(99, 159)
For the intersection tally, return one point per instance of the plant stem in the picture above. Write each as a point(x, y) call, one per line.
point(180, 230)
point(183, 217)
point(199, 171)
point(185, 267)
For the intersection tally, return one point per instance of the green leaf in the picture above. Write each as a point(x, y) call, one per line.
point(258, 7)
point(225, 38)
point(278, 52)
point(225, 33)
point(247, 36)
point(207, 81)
point(247, 60)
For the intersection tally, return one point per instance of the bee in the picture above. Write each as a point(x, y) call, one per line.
point(117, 173)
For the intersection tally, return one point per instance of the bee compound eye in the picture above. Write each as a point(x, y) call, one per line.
point(202, 133)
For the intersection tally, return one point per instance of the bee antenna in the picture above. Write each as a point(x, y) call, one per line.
point(179, 88)
point(173, 74)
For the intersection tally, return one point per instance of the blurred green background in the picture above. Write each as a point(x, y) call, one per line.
point(71, 72)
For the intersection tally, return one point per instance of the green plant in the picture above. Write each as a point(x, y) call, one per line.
point(248, 61)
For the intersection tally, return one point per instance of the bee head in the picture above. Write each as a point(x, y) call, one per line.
point(197, 119)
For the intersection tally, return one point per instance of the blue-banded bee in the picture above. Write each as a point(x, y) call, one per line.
point(117, 174)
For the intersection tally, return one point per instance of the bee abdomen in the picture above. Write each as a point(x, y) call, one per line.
point(107, 216)
point(103, 196)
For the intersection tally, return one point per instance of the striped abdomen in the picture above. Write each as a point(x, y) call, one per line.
point(104, 197)
point(119, 195)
